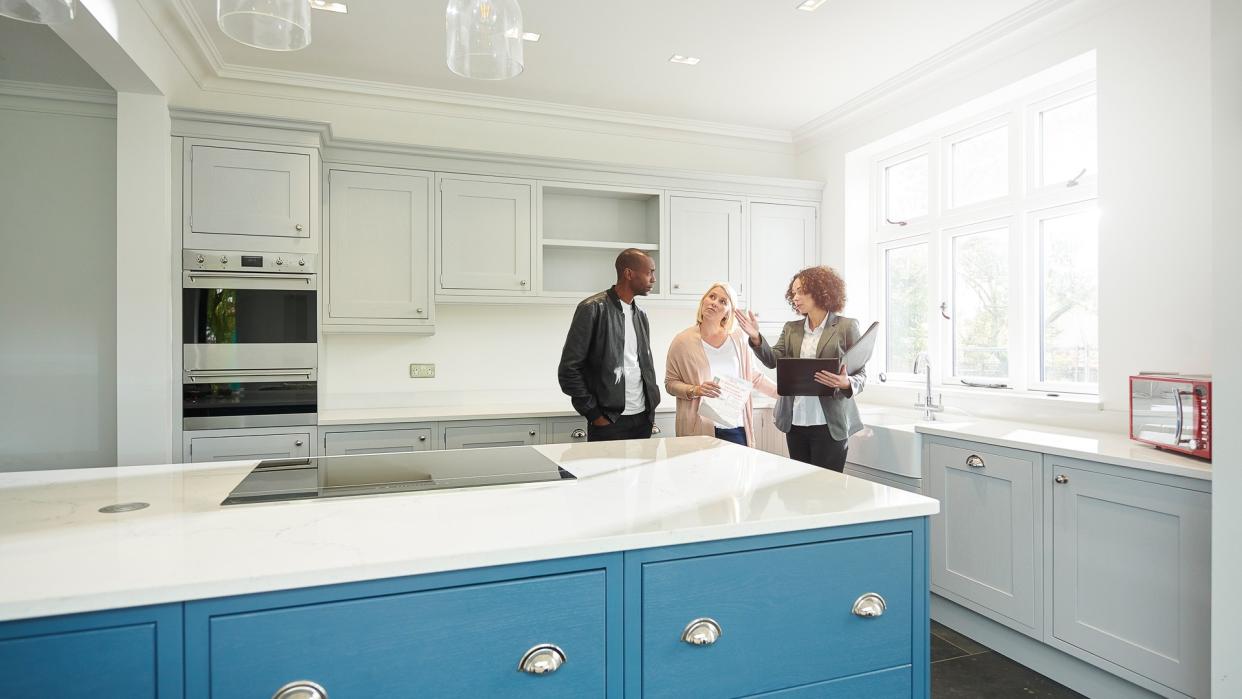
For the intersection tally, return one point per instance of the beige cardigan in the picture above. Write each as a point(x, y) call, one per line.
point(687, 366)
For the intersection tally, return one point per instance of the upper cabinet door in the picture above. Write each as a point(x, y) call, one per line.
point(705, 237)
point(241, 199)
point(378, 247)
point(782, 242)
point(485, 235)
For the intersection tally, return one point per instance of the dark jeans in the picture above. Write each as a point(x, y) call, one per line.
point(636, 426)
point(737, 435)
point(814, 445)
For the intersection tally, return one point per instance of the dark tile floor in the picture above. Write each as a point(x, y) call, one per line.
point(965, 669)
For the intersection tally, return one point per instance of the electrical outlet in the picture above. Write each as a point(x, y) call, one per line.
point(422, 371)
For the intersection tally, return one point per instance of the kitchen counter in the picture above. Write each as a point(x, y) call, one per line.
point(60, 555)
point(1091, 445)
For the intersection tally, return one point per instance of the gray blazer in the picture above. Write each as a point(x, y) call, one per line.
point(839, 334)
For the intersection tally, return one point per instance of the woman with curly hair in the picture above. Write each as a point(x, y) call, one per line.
point(817, 428)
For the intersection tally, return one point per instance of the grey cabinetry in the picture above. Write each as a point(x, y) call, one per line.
point(221, 445)
point(706, 244)
point(566, 430)
point(492, 433)
point(665, 425)
point(985, 540)
point(378, 441)
point(1130, 572)
point(377, 272)
point(485, 235)
point(782, 242)
point(250, 197)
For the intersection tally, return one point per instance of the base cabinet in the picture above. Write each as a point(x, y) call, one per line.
point(607, 625)
point(249, 444)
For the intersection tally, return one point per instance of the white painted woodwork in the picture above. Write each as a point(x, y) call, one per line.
point(376, 270)
point(249, 199)
point(705, 239)
point(782, 242)
point(485, 235)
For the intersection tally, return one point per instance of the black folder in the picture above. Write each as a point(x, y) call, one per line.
point(796, 377)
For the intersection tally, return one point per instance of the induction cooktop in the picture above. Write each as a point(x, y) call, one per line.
point(373, 474)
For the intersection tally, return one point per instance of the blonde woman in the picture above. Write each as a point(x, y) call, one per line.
point(707, 349)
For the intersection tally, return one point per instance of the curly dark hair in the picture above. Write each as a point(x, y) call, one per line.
point(823, 284)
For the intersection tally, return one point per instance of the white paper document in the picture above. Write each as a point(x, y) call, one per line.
point(726, 411)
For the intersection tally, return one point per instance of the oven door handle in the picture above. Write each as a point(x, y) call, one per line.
point(1181, 415)
point(242, 375)
point(252, 280)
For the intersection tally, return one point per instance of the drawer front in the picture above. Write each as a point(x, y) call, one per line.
point(785, 615)
point(295, 445)
point(984, 540)
point(507, 435)
point(882, 684)
point(462, 641)
point(376, 441)
point(567, 431)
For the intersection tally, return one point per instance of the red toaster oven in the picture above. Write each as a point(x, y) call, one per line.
point(1173, 412)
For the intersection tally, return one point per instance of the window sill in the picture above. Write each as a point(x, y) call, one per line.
point(893, 388)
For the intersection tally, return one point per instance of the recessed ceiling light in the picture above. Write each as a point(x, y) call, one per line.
point(687, 60)
point(329, 6)
point(530, 36)
point(809, 5)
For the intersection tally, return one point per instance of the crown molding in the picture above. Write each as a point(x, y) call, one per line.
point(994, 32)
point(66, 93)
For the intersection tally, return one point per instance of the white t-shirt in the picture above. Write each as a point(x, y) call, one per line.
point(723, 360)
point(807, 410)
point(635, 401)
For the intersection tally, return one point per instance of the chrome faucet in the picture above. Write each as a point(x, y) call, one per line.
point(930, 407)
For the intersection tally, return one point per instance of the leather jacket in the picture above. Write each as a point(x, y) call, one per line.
point(591, 370)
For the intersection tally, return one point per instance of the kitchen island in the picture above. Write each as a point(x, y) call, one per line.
point(676, 566)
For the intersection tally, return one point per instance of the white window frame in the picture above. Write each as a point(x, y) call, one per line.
point(1025, 205)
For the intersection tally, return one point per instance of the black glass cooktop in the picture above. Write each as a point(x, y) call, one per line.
point(372, 474)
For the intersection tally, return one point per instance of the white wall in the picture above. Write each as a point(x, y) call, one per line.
point(1226, 340)
point(1154, 154)
point(57, 284)
point(489, 354)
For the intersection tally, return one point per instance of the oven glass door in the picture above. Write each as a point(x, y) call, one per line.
point(209, 402)
point(1163, 412)
point(248, 321)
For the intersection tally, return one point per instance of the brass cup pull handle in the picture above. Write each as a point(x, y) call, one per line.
point(703, 631)
point(301, 689)
point(975, 461)
point(542, 659)
point(869, 605)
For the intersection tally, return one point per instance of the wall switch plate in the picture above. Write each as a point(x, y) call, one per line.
point(422, 371)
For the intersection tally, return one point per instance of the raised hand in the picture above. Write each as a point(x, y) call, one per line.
point(748, 322)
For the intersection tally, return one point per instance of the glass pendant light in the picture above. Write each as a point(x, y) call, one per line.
point(275, 25)
point(38, 11)
point(484, 38)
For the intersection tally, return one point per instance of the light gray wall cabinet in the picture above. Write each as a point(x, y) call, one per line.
point(241, 196)
point(1131, 572)
point(485, 240)
point(705, 237)
point(378, 267)
point(984, 541)
point(249, 444)
point(782, 242)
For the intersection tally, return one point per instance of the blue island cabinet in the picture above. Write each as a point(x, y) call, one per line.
point(836, 612)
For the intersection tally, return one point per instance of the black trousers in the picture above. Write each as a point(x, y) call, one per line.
point(637, 426)
point(814, 445)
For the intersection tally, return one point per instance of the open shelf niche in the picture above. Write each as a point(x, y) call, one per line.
point(585, 227)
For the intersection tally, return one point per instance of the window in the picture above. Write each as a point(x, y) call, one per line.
point(986, 248)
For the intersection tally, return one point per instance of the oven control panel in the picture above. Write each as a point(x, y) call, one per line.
point(241, 261)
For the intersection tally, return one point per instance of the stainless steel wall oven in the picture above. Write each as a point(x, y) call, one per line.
point(249, 339)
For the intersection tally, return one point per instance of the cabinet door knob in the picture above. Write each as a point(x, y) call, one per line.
point(542, 659)
point(297, 443)
point(703, 631)
point(523, 282)
point(869, 605)
point(677, 286)
point(578, 433)
point(297, 227)
point(422, 438)
point(301, 689)
point(418, 310)
point(1061, 479)
point(531, 433)
point(975, 461)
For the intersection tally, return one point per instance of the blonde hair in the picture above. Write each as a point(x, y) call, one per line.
point(727, 323)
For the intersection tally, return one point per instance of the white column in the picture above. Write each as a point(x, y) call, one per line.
point(145, 391)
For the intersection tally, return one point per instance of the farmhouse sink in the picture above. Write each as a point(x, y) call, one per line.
point(888, 442)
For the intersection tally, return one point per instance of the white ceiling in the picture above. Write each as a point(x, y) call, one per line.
point(764, 64)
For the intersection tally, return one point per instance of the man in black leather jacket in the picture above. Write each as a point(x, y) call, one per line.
point(606, 367)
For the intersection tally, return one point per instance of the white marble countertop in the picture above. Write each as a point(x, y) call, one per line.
point(1091, 445)
point(60, 555)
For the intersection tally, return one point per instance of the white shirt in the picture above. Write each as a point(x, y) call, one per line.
point(635, 401)
point(807, 410)
point(723, 360)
